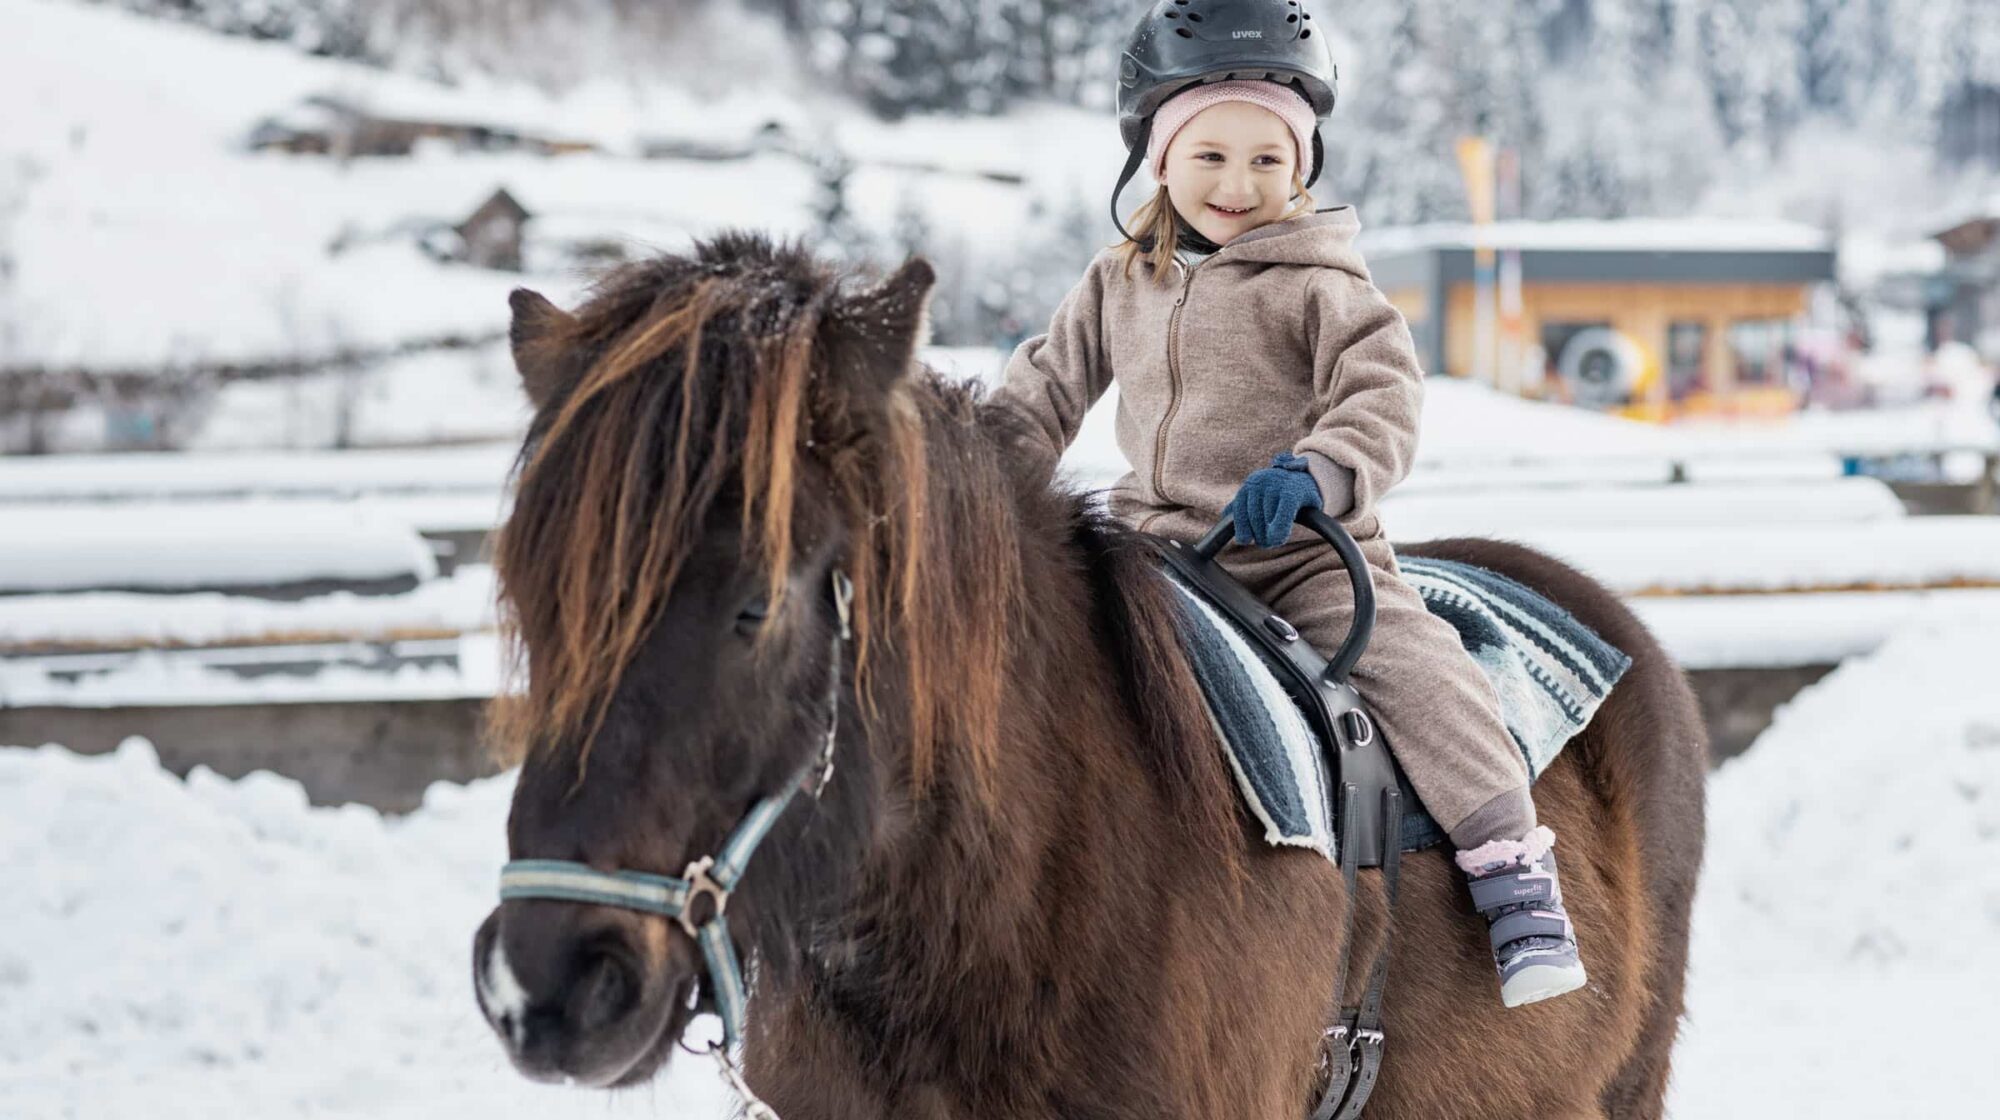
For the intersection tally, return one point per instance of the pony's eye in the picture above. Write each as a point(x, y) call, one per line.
point(753, 615)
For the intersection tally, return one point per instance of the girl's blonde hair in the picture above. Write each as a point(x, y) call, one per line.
point(1154, 221)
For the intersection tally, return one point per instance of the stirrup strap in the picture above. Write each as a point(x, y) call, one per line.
point(1337, 1047)
point(1368, 1021)
point(1354, 1045)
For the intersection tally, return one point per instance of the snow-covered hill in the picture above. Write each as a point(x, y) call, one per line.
point(142, 232)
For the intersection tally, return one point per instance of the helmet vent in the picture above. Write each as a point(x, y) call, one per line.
point(1307, 33)
point(1194, 17)
point(1183, 32)
point(1293, 18)
point(1173, 15)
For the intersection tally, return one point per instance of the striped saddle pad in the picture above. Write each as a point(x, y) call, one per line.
point(1550, 671)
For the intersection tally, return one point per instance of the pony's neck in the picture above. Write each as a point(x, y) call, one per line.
point(1005, 913)
point(1028, 876)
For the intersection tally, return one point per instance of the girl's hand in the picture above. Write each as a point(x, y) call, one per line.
point(1271, 499)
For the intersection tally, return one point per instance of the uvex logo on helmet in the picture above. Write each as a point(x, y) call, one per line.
point(1246, 34)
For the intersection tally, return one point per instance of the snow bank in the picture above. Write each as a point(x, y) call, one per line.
point(1844, 936)
point(220, 948)
point(478, 469)
point(459, 602)
point(1425, 515)
point(251, 544)
point(1802, 628)
point(439, 397)
point(1915, 552)
point(466, 667)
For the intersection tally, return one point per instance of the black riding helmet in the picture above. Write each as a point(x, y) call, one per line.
point(1179, 43)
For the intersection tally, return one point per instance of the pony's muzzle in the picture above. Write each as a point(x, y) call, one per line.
point(581, 993)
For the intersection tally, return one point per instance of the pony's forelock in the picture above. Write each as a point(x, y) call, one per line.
point(706, 373)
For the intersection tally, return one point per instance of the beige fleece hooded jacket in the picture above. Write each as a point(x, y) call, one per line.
point(1277, 342)
point(1280, 342)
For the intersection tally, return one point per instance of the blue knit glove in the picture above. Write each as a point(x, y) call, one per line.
point(1271, 499)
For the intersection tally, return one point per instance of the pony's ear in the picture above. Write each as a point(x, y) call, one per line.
point(538, 356)
point(871, 337)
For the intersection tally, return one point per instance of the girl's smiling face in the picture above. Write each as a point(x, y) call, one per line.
point(1231, 169)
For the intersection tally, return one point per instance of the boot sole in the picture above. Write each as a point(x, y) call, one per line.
point(1539, 982)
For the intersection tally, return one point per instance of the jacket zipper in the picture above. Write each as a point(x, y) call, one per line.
point(1173, 383)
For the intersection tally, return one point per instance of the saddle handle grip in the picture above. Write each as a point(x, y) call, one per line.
point(1335, 534)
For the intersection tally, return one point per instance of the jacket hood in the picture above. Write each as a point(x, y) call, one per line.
point(1324, 238)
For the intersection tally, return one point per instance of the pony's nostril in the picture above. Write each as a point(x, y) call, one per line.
point(607, 989)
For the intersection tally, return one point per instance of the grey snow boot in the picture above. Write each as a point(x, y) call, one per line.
point(1514, 887)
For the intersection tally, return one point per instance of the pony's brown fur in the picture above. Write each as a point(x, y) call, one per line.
point(1068, 915)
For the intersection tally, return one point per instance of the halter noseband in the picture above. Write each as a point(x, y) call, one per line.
point(713, 877)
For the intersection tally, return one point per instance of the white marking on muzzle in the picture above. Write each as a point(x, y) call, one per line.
point(505, 997)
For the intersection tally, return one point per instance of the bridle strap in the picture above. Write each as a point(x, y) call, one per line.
point(669, 897)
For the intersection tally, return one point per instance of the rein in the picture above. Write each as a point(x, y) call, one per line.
point(713, 877)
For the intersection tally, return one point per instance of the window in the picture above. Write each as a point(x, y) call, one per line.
point(1687, 360)
point(1758, 349)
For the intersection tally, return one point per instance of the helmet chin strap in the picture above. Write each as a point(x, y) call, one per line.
point(1132, 160)
point(1185, 233)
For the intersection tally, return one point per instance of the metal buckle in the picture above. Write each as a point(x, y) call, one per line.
point(1334, 1041)
point(699, 883)
point(1365, 1037)
point(1360, 729)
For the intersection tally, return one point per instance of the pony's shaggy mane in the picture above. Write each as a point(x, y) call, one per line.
point(717, 373)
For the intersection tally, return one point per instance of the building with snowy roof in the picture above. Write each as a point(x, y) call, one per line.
point(1652, 318)
point(1963, 303)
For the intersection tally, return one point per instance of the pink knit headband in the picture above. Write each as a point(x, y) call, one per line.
point(1182, 107)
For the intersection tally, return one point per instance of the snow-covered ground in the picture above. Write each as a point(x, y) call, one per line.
point(1844, 937)
point(282, 960)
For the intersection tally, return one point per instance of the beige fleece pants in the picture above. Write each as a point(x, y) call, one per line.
point(1438, 710)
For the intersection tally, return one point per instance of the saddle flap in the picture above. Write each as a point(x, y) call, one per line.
point(1355, 749)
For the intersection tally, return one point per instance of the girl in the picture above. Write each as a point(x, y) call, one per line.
point(1237, 323)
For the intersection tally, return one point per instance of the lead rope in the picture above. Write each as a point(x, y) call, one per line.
point(754, 1107)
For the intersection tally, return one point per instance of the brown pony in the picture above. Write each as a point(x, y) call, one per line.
point(1028, 890)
